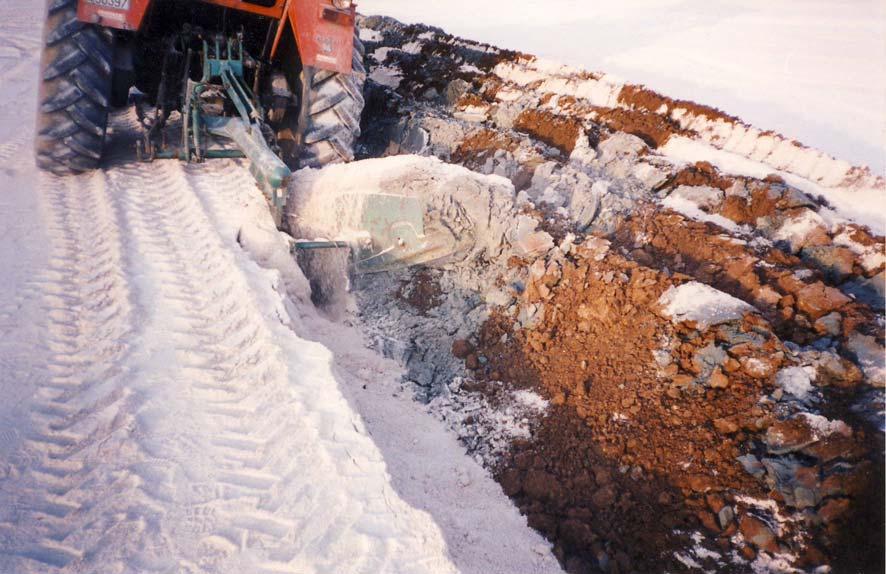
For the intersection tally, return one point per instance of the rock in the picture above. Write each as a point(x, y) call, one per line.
point(793, 198)
point(837, 371)
point(791, 282)
point(836, 262)
point(472, 362)
point(748, 553)
point(725, 516)
point(796, 381)
point(682, 381)
point(706, 198)
point(756, 368)
point(783, 437)
point(455, 90)
point(725, 426)
point(696, 482)
point(831, 324)
point(802, 228)
point(620, 145)
point(833, 447)
point(731, 365)
point(871, 291)
point(817, 299)
point(708, 521)
point(869, 355)
point(596, 247)
point(805, 498)
point(766, 296)
point(715, 502)
point(758, 533)
point(708, 358)
point(461, 348)
point(718, 380)
point(527, 240)
point(833, 509)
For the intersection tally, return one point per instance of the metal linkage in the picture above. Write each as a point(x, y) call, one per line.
point(223, 73)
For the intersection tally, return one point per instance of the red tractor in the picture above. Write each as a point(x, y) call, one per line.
point(277, 81)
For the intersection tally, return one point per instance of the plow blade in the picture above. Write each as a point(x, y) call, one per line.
point(384, 232)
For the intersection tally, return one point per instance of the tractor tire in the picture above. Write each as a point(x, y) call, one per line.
point(75, 89)
point(331, 108)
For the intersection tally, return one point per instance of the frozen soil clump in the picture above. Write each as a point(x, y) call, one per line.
point(666, 365)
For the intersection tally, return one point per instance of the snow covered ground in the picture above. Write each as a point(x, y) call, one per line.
point(814, 71)
point(172, 403)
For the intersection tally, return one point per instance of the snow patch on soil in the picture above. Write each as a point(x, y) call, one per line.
point(824, 427)
point(488, 428)
point(851, 202)
point(691, 210)
point(703, 304)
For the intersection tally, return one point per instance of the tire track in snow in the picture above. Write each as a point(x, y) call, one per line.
point(274, 483)
point(63, 479)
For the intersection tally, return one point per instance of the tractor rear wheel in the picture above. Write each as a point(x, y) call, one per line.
point(75, 89)
point(329, 118)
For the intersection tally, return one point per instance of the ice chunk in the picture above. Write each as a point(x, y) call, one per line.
point(795, 381)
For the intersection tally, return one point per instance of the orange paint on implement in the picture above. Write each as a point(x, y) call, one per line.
point(323, 33)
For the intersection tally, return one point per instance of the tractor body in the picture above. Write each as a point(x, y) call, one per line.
point(279, 82)
point(322, 32)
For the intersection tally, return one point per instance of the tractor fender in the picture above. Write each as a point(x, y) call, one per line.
point(118, 14)
point(323, 33)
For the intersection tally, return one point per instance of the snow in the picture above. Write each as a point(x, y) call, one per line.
point(703, 304)
point(412, 47)
point(687, 561)
point(815, 74)
point(795, 381)
point(387, 76)
point(367, 35)
point(872, 257)
point(765, 563)
point(691, 210)
point(796, 229)
point(562, 80)
point(824, 427)
point(862, 205)
point(173, 402)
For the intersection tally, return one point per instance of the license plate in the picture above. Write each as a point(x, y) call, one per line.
point(114, 4)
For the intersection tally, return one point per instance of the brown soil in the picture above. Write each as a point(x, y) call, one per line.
point(422, 292)
point(636, 454)
point(631, 451)
point(652, 128)
point(557, 131)
point(702, 173)
point(638, 449)
point(642, 98)
point(480, 143)
point(765, 278)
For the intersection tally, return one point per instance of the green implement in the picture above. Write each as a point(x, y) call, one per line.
point(222, 87)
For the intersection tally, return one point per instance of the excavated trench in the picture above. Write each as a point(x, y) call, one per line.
point(665, 366)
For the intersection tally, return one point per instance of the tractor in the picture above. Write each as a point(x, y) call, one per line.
point(279, 82)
